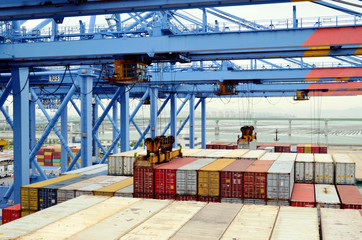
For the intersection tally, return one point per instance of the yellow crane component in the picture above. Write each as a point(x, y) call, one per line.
point(159, 149)
point(128, 71)
point(301, 95)
point(247, 134)
point(3, 144)
point(226, 89)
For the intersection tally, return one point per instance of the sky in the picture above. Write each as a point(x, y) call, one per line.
point(284, 106)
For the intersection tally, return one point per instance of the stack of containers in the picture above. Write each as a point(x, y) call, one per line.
point(47, 195)
point(143, 181)
point(255, 185)
point(75, 150)
point(304, 168)
point(122, 163)
point(29, 194)
point(300, 148)
point(68, 192)
point(280, 181)
point(56, 156)
point(308, 148)
point(125, 192)
point(113, 188)
point(311, 148)
point(303, 195)
point(344, 169)
point(40, 156)
point(253, 155)
point(11, 213)
point(96, 169)
point(48, 156)
point(186, 179)
point(326, 197)
point(106, 181)
point(324, 169)
point(282, 148)
point(315, 148)
point(231, 181)
point(350, 196)
point(322, 148)
point(165, 177)
point(209, 180)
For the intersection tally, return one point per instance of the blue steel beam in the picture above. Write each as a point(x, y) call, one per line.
point(7, 117)
point(63, 140)
point(125, 119)
point(115, 131)
point(64, 132)
point(20, 86)
point(76, 107)
point(338, 8)
point(173, 116)
point(153, 110)
point(347, 61)
point(136, 126)
point(114, 124)
point(210, 46)
point(61, 9)
point(32, 133)
point(192, 121)
point(149, 125)
point(139, 105)
point(178, 111)
point(187, 119)
point(6, 92)
point(203, 123)
point(95, 117)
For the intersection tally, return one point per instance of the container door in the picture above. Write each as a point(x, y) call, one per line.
point(299, 171)
point(309, 172)
point(181, 181)
point(350, 173)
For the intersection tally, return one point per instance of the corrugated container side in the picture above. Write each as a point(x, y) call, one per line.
point(296, 223)
point(209, 178)
point(303, 195)
point(324, 169)
point(209, 223)
point(165, 175)
point(108, 180)
point(186, 198)
point(11, 213)
point(252, 201)
point(300, 148)
point(208, 199)
point(161, 225)
point(304, 168)
point(111, 189)
point(29, 193)
point(231, 181)
point(255, 179)
point(278, 202)
point(280, 180)
point(350, 196)
point(231, 200)
point(308, 148)
point(163, 197)
point(143, 195)
point(252, 222)
point(125, 192)
point(27, 212)
point(143, 180)
point(345, 169)
point(340, 224)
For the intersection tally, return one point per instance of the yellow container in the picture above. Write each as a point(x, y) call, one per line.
point(111, 189)
point(26, 212)
point(209, 177)
point(56, 164)
point(308, 148)
point(57, 149)
point(29, 193)
point(40, 156)
point(48, 153)
point(41, 163)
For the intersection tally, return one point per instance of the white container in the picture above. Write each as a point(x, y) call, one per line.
point(252, 222)
point(209, 223)
point(287, 157)
point(68, 192)
point(326, 196)
point(270, 156)
point(296, 223)
point(125, 192)
point(252, 201)
point(32, 222)
point(340, 224)
point(236, 153)
point(88, 190)
point(278, 202)
point(324, 169)
point(345, 169)
point(79, 221)
point(86, 169)
point(269, 149)
point(165, 223)
point(122, 222)
point(280, 180)
point(304, 168)
point(186, 176)
point(232, 200)
point(253, 155)
point(187, 152)
point(122, 163)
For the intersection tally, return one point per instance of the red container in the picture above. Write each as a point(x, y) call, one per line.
point(231, 179)
point(163, 197)
point(186, 198)
point(350, 196)
point(142, 195)
point(209, 146)
point(48, 157)
point(48, 164)
point(11, 213)
point(303, 195)
point(255, 179)
point(230, 146)
point(262, 148)
point(322, 148)
point(165, 175)
point(209, 199)
point(143, 180)
point(300, 148)
point(315, 148)
point(223, 145)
